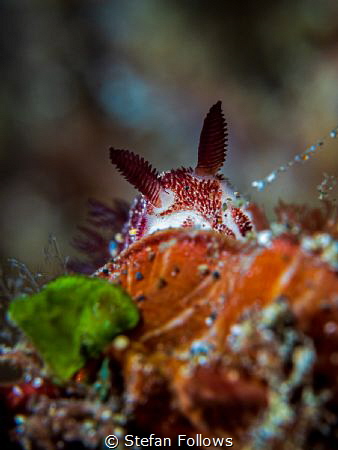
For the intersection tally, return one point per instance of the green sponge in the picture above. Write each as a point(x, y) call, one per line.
point(73, 318)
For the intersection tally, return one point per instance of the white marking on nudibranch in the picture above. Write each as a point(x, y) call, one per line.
point(167, 198)
point(228, 199)
point(176, 220)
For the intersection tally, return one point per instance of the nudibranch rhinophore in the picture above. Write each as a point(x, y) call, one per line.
point(199, 198)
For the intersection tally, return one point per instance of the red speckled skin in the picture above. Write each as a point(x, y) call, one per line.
point(204, 202)
point(197, 198)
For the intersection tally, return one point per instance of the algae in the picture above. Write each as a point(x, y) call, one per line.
point(73, 318)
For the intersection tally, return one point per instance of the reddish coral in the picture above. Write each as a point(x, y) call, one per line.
point(198, 272)
point(193, 289)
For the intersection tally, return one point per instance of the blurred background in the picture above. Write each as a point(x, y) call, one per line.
point(79, 76)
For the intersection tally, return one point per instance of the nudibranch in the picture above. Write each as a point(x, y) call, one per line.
point(199, 198)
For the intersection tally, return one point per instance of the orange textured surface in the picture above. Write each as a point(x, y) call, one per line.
point(192, 287)
point(187, 275)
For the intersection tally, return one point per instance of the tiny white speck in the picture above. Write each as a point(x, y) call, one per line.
point(37, 382)
point(330, 327)
point(236, 330)
point(271, 177)
point(17, 391)
point(264, 238)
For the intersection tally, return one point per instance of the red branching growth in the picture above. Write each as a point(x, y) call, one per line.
point(258, 217)
point(94, 245)
point(91, 241)
point(212, 146)
point(308, 219)
point(104, 216)
point(94, 242)
point(138, 172)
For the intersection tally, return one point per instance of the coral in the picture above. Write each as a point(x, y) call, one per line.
point(303, 219)
point(46, 416)
point(229, 339)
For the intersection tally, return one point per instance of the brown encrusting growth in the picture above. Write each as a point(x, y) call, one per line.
point(44, 415)
point(309, 219)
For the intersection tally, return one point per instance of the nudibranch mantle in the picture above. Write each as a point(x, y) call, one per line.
point(199, 198)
